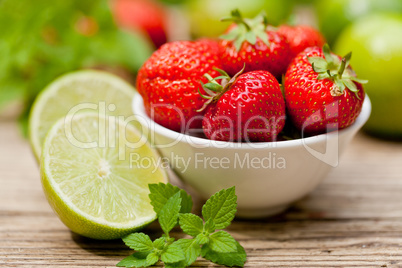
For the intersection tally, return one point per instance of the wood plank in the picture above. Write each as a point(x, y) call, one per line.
point(353, 219)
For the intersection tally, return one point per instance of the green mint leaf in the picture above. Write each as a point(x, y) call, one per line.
point(237, 258)
point(180, 264)
point(138, 259)
point(159, 243)
point(169, 213)
point(222, 242)
point(209, 226)
point(161, 192)
point(138, 241)
point(201, 239)
point(221, 208)
point(191, 250)
point(173, 253)
point(152, 258)
point(191, 224)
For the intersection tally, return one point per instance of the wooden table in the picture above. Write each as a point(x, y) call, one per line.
point(353, 219)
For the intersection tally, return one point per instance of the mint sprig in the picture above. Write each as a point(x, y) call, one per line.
point(139, 241)
point(169, 213)
point(137, 259)
point(222, 242)
point(221, 208)
point(160, 194)
point(191, 224)
point(237, 258)
point(208, 240)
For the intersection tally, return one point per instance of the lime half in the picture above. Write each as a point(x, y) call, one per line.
point(95, 172)
point(86, 90)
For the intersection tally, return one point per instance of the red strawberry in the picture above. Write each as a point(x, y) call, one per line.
point(250, 107)
point(142, 15)
point(322, 92)
point(301, 37)
point(250, 42)
point(169, 81)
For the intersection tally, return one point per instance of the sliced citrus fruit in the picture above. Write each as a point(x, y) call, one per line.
point(85, 90)
point(95, 172)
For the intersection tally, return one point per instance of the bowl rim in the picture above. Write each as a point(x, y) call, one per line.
point(138, 110)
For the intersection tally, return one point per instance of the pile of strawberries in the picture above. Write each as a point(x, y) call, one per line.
point(230, 89)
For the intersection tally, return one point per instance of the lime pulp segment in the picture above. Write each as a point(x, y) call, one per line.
point(93, 179)
point(85, 90)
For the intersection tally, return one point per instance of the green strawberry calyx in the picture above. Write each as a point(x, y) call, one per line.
point(215, 90)
point(337, 70)
point(247, 29)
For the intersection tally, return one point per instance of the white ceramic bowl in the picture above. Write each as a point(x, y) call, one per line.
point(268, 176)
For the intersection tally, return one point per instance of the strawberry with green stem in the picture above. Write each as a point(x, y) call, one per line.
point(246, 107)
point(322, 91)
point(253, 43)
point(168, 82)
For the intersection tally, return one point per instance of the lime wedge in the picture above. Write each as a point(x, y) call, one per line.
point(86, 90)
point(95, 172)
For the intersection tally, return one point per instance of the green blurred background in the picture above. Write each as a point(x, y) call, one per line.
point(41, 39)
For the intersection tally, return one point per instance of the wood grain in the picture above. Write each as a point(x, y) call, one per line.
point(353, 219)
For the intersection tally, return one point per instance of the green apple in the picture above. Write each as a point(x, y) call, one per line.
point(376, 42)
point(205, 15)
point(335, 15)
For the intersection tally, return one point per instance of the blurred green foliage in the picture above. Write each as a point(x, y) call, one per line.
point(205, 15)
point(334, 15)
point(42, 39)
point(376, 42)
